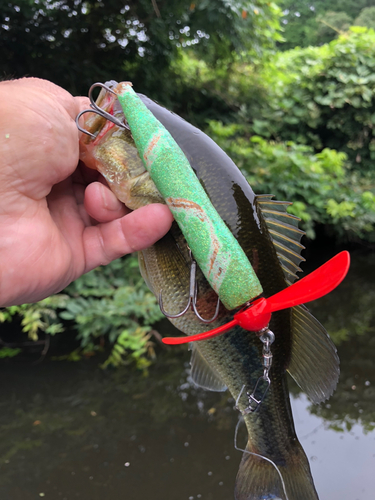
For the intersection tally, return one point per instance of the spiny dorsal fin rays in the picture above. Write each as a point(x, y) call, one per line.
point(277, 210)
point(291, 243)
point(290, 277)
point(289, 253)
point(285, 234)
point(289, 264)
point(270, 204)
point(289, 230)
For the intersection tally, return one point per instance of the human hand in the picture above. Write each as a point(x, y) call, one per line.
point(55, 224)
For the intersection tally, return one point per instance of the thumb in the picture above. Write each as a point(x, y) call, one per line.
point(135, 231)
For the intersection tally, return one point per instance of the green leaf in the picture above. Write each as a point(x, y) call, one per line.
point(9, 352)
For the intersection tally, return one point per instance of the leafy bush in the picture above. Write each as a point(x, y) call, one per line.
point(323, 97)
point(322, 188)
point(77, 43)
point(109, 303)
point(366, 18)
point(202, 93)
point(301, 126)
point(303, 21)
point(331, 24)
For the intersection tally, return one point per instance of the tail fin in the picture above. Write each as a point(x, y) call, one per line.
point(259, 478)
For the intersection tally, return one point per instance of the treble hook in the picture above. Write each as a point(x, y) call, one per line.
point(94, 108)
point(192, 302)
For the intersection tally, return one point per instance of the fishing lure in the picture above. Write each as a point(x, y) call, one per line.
point(212, 245)
point(217, 252)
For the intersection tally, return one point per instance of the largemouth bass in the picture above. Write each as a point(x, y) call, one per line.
point(270, 238)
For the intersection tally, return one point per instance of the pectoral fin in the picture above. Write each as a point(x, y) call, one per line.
point(314, 363)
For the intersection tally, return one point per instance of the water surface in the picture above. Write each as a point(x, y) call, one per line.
point(71, 431)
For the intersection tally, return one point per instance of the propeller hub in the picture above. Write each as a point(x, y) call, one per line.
point(254, 318)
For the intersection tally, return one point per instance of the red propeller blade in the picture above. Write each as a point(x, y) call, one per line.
point(257, 316)
point(200, 336)
point(313, 286)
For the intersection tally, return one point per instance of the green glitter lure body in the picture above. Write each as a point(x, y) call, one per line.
point(217, 252)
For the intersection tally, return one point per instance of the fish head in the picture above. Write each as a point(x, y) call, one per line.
point(111, 151)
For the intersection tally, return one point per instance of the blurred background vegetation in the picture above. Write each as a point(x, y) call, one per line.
point(287, 88)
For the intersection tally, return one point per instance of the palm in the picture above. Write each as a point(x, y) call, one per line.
point(49, 251)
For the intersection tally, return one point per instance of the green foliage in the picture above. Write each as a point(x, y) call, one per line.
point(224, 93)
point(114, 303)
point(323, 97)
point(366, 18)
point(77, 43)
point(322, 188)
point(34, 318)
point(108, 304)
point(9, 352)
point(304, 20)
point(40, 317)
point(301, 125)
point(331, 24)
point(132, 345)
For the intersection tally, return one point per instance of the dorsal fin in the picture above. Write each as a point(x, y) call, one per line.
point(203, 374)
point(285, 234)
point(314, 363)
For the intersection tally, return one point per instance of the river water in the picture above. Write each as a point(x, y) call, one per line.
point(73, 431)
